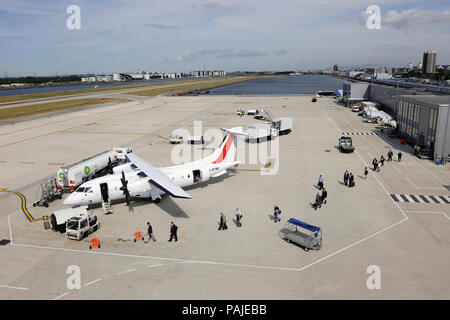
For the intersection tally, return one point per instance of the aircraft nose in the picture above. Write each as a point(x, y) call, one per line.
point(69, 201)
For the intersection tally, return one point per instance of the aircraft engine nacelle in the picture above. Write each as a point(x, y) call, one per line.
point(126, 167)
point(140, 189)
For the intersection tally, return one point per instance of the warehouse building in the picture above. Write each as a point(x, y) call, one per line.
point(423, 118)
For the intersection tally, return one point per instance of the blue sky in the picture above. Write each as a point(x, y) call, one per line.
point(184, 35)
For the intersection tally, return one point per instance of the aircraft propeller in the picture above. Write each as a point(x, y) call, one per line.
point(109, 167)
point(124, 188)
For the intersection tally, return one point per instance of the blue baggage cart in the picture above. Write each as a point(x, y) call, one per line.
point(303, 234)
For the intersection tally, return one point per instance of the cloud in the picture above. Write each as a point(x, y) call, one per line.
point(161, 26)
point(213, 7)
point(218, 53)
point(280, 52)
point(409, 19)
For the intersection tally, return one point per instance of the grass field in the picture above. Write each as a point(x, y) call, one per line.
point(28, 110)
point(213, 84)
point(92, 90)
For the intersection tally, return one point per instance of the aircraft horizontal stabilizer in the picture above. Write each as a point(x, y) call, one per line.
point(157, 177)
point(236, 130)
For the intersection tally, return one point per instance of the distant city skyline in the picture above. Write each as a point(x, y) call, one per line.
point(182, 36)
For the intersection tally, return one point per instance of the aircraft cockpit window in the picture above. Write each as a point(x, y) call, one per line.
point(80, 189)
point(88, 189)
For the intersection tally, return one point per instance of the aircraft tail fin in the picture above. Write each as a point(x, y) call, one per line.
point(228, 147)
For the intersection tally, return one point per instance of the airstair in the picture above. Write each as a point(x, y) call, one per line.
point(107, 207)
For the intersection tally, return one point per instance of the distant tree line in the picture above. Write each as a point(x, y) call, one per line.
point(441, 74)
point(40, 79)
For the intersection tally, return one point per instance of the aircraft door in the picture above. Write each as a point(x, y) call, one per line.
point(197, 174)
point(104, 191)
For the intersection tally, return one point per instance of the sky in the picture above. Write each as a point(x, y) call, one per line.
point(186, 35)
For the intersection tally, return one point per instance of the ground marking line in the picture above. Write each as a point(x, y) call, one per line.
point(440, 188)
point(126, 271)
point(11, 287)
point(398, 170)
point(92, 282)
point(157, 265)
point(10, 229)
point(411, 211)
point(59, 297)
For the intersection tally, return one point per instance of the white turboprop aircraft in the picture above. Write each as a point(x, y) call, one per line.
point(138, 178)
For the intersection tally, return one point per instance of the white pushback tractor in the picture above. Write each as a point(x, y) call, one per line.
point(69, 177)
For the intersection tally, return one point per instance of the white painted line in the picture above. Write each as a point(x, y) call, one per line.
point(59, 297)
point(10, 229)
point(156, 265)
point(126, 271)
point(11, 287)
point(398, 170)
point(371, 156)
point(92, 282)
point(409, 211)
point(434, 188)
point(429, 199)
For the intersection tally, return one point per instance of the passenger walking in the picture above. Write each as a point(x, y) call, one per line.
point(150, 232)
point(223, 222)
point(238, 217)
point(317, 204)
point(399, 156)
point(173, 232)
point(382, 160)
point(320, 182)
point(390, 154)
point(365, 172)
point(276, 213)
point(375, 164)
point(346, 176)
point(324, 196)
point(351, 180)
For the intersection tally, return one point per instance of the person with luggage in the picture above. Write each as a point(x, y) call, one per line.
point(320, 182)
point(223, 222)
point(375, 164)
point(351, 180)
point(318, 202)
point(238, 217)
point(276, 213)
point(390, 154)
point(346, 176)
point(323, 197)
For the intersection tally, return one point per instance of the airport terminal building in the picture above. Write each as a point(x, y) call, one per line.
point(422, 118)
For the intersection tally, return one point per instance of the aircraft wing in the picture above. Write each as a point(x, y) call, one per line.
point(157, 177)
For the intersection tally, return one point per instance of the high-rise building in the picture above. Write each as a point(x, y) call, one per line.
point(429, 62)
point(335, 68)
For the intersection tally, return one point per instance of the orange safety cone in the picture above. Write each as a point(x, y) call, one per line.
point(138, 236)
point(94, 243)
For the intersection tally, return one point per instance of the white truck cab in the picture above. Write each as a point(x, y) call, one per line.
point(79, 227)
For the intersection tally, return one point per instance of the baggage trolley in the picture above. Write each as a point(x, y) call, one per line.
point(303, 234)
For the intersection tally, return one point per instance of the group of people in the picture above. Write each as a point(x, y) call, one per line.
point(223, 220)
point(349, 179)
point(320, 198)
point(173, 232)
point(377, 164)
